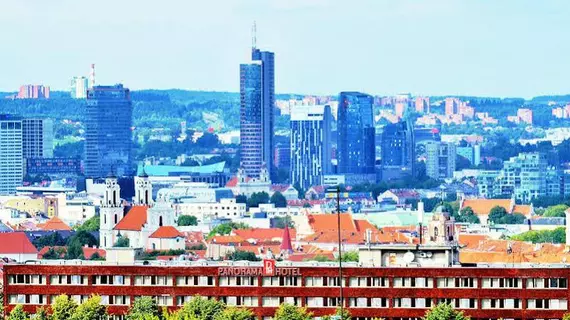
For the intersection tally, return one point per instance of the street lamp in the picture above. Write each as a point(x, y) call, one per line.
point(337, 191)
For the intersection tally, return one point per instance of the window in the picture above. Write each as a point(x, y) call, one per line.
point(238, 281)
point(27, 279)
point(456, 283)
point(153, 281)
point(368, 282)
point(501, 283)
point(110, 280)
point(554, 304)
point(67, 280)
point(314, 302)
point(549, 283)
point(199, 281)
point(270, 302)
point(413, 282)
point(412, 303)
point(313, 281)
point(281, 281)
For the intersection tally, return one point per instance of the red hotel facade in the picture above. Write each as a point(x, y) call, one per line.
point(392, 293)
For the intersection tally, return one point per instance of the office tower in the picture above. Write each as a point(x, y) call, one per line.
point(257, 101)
point(310, 145)
point(79, 87)
point(398, 150)
point(37, 138)
point(12, 163)
point(451, 106)
point(356, 133)
point(422, 104)
point(440, 160)
point(33, 92)
point(108, 131)
point(282, 156)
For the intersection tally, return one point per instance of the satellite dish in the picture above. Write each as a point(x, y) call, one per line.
point(409, 257)
point(429, 254)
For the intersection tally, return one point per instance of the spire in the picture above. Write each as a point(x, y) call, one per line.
point(253, 36)
point(286, 247)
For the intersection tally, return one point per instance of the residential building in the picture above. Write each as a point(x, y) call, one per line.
point(16, 246)
point(11, 153)
point(207, 211)
point(471, 153)
point(37, 138)
point(451, 106)
point(257, 103)
point(282, 156)
point(422, 105)
point(79, 87)
point(310, 145)
point(525, 115)
point(33, 92)
point(398, 151)
point(242, 184)
point(108, 132)
point(440, 160)
point(356, 136)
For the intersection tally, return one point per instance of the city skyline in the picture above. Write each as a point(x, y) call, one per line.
point(436, 48)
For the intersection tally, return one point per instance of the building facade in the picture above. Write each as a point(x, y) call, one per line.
point(398, 150)
point(30, 91)
point(388, 292)
point(108, 135)
point(310, 145)
point(11, 153)
point(356, 135)
point(79, 87)
point(37, 138)
point(440, 160)
point(422, 105)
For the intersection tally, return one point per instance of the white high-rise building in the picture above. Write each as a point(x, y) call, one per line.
point(11, 159)
point(79, 87)
point(440, 160)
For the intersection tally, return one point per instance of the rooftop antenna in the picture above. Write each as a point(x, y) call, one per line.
point(92, 75)
point(253, 36)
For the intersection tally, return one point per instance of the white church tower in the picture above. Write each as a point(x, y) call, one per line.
point(143, 190)
point(111, 212)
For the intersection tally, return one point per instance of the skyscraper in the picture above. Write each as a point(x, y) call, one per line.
point(310, 144)
point(356, 132)
point(398, 150)
point(37, 138)
point(108, 131)
point(440, 160)
point(79, 87)
point(257, 101)
point(11, 170)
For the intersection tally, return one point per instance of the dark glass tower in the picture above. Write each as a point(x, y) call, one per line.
point(355, 134)
point(257, 97)
point(398, 150)
point(108, 135)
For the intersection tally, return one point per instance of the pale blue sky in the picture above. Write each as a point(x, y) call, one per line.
point(478, 47)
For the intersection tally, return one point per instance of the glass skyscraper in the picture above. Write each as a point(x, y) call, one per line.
point(398, 150)
point(108, 135)
point(257, 102)
point(11, 153)
point(356, 150)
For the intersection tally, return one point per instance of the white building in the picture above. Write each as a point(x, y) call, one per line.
point(244, 185)
point(205, 211)
point(271, 211)
point(11, 154)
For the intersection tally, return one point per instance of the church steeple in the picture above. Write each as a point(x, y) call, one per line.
point(143, 190)
point(112, 198)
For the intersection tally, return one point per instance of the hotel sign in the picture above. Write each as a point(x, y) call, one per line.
point(268, 269)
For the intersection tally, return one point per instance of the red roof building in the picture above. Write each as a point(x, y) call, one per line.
point(17, 246)
point(134, 220)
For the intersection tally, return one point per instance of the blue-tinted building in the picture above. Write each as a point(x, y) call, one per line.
point(398, 150)
point(356, 134)
point(257, 100)
point(108, 135)
point(310, 145)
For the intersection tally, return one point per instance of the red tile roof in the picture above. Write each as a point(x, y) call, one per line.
point(326, 222)
point(280, 187)
point(134, 220)
point(524, 209)
point(362, 225)
point(484, 206)
point(233, 182)
point(166, 232)
point(89, 252)
point(54, 224)
point(15, 243)
point(262, 234)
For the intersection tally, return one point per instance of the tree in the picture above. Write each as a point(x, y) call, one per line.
point(51, 254)
point(241, 199)
point(349, 256)
point(556, 211)
point(257, 198)
point(41, 314)
point(122, 242)
point(242, 255)
point(467, 215)
point(233, 313)
point(278, 199)
point(557, 235)
point(63, 308)
point(142, 308)
point(76, 243)
point(290, 312)
point(91, 224)
point(566, 316)
point(187, 221)
point(18, 313)
point(444, 311)
point(90, 309)
point(208, 140)
point(226, 228)
point(96, 257)
point(280, 222)
point(319, 258)
point(190, 163)
point(515, 218)
point(50, 240)
point(497, 213)
point(342, 314)
point(201, 308)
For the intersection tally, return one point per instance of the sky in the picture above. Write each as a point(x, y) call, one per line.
point(382, 47)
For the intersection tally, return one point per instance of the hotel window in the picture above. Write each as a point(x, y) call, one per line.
point(17, 299)
point(270, 302)
point(379, 302)
point(368, 282)
point(313, 281)
point(456, 283)
point(281, 281)
point(110, 280)
point(67, 279)
point(315, 302)
point(412, 303)
point(181, 300)
point(296, 301)
point(331, 302)
point(79, 299)
point(238, 281)
point(240, 301)
point(358, 302)
point(467, 303)
point(116, 300)
point(201, 281)
point(501, 283)
point(153, 281)
point(413, 282)
point(549, 283)
point(501, 304)
point(453, 302)
point(27, 279)
point(553, 304)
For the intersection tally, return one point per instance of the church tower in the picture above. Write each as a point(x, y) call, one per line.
point(264, 174)
point(143, 190)
point(111, 212)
